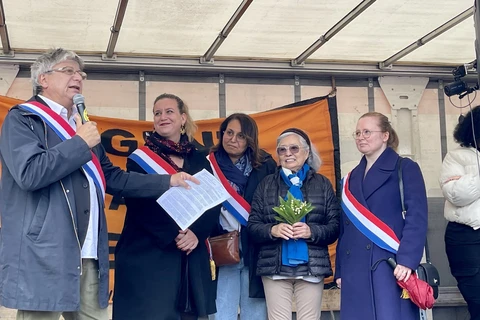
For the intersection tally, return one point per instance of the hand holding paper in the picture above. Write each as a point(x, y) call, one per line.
point(187, 205)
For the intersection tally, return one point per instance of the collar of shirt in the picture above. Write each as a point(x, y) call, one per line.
point(60, 110)
point(287, 171)
point(294, 180)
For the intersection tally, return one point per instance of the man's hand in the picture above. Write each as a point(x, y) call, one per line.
point(339, 283)
point(186, 241)
point(179, 180)
point(282, 230)
point(301, 231)
point(87, 131)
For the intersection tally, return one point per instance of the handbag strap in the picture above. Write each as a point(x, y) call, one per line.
point(402, 199)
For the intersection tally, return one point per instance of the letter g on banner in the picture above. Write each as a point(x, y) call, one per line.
point(108, 136)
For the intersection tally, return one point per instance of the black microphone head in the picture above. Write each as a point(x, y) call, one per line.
point(78, 99)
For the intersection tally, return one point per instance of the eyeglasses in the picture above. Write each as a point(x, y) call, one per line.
point(294, 149)
point(365, 133)
point(230, 134)
point(69, 71)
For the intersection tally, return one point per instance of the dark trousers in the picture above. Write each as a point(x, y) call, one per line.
point(463, 251)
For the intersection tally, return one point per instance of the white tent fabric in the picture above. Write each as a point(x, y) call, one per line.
point(269, 29)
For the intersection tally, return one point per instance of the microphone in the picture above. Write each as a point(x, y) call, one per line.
point(79, 101)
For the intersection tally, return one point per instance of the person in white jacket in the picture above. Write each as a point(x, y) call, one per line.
point(460, 183)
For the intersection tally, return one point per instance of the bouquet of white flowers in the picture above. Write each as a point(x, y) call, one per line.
point(292, 210)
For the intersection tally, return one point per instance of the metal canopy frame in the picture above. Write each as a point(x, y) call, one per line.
point(4, 32)
point(430, 36)
point(208, 56)
point(115, 29)
point(274, 68)
point(332, 32)
point(109, 61)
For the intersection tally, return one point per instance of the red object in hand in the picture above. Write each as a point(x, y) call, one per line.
point(420, 292)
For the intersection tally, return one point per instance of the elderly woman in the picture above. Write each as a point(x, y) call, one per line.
point(293, 259)
point(162, 272)
point(244, 165)
point(369, 289)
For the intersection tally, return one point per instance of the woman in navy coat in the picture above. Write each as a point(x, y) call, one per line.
point(368, 289)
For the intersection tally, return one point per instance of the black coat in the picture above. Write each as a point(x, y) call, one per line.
point(148, 265)
point(323, 222)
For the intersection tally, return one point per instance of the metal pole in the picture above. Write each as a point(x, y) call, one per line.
point(238, 67)
point(476, 20)
point(207, 57)
point(3, 31)
point(332, 32)
point(430, 36)
point(115, 29)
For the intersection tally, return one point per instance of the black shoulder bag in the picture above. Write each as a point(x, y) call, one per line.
point(425, 271)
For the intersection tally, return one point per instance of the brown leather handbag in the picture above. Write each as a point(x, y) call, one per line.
point(225, 249)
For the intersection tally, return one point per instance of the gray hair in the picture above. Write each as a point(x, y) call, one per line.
point(46, 61)
point(313, 159)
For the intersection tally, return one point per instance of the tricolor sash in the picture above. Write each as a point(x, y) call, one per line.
point(236, 204)
point(366, 222)
point(65, 132)
point(151, 162)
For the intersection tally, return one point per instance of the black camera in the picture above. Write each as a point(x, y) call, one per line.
point(459, 86)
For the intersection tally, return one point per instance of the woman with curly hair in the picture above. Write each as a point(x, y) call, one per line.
point(460, 183)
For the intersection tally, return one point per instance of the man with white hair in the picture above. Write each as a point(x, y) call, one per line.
point(54, 238)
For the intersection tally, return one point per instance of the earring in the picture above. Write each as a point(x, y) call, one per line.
point(182, 129)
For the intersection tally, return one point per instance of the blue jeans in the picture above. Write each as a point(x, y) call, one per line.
point(232, 291)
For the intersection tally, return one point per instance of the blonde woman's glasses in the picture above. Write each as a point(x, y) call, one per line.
point(365, 133)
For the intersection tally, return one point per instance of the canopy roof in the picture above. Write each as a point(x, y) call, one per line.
point(268, 34)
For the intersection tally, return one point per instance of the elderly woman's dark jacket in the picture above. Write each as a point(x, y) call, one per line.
point(323, 222)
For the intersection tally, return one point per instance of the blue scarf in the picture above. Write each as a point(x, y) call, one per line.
point(295, 252)
point(237, 174)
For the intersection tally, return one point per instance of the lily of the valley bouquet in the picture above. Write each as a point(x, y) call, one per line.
point(292, 210)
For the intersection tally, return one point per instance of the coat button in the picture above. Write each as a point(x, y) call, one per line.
point(67, 191)
point(85, 185)
point(348, 251)
point(347, 222)
point(368, 246)
point(86, 211)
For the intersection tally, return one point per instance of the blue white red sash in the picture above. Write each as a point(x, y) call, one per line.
point(236, 204)
point(151, 162)
point(366, 222)
point(65, 132)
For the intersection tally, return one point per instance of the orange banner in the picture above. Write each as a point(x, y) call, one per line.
point(121, 137)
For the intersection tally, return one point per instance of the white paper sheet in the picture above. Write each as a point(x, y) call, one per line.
point(187, 205)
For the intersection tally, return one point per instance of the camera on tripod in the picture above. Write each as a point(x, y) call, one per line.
point(459, 86)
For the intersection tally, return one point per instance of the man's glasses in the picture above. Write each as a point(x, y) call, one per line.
point(294, 149)
point(230, 134)
point(69, 71)
point(365, 133)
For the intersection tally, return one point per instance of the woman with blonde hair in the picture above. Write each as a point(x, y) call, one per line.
point(161, 271)
point(370, 200)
